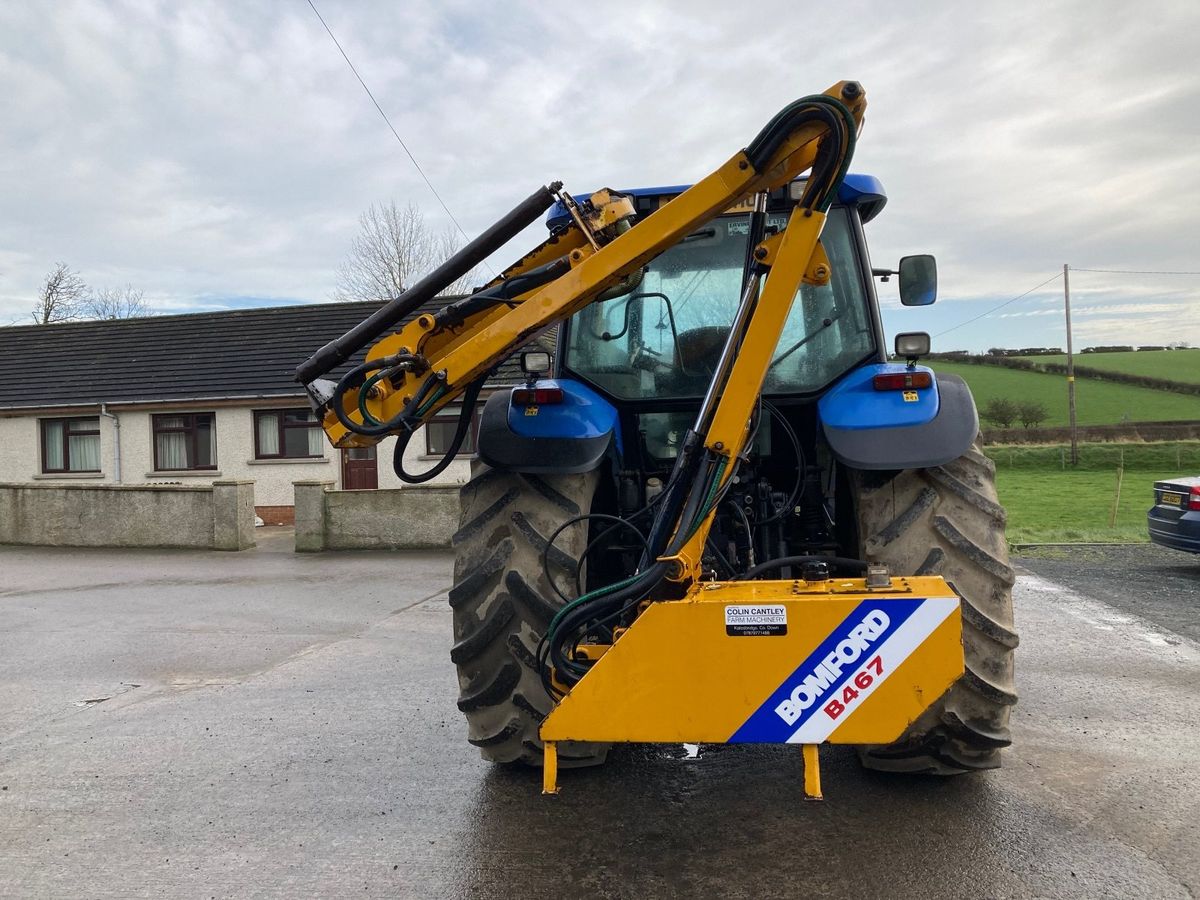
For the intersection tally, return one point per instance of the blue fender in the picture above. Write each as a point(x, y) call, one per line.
point(564, 438)
point(870, 429)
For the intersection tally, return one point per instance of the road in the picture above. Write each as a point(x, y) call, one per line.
point(264, 724)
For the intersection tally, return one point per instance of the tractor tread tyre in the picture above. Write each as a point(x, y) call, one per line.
point(502, 603)
point(947, 521)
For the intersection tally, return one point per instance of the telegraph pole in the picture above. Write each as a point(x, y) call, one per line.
point(1070, 366)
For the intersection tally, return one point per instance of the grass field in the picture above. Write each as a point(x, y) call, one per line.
point(1048, 505)
point(1064, 507)
point(1097, 402)
point(1173, 365)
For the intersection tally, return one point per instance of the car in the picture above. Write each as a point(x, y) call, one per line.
point(1174, 520)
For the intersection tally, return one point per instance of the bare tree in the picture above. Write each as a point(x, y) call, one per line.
point(115, 303)
point(1031, 413)
point(393, 249)
point(999, 411)
point(61, 298)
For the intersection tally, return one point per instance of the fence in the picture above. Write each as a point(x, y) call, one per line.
point(1181, 457)
point(219, 516)
point(417, 517)
point(1130, 431)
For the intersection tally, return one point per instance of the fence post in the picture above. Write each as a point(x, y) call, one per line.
point(233, 515)
point(310, 514)
point(1112, 520)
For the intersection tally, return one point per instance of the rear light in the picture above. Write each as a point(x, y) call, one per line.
point(1194, 499)
point(902, 381)
point(537, 396)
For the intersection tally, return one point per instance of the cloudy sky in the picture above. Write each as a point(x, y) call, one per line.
point(218, 155)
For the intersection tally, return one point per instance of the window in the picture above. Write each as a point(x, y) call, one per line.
point(439, 435)
point(71, 445)
point(185, 441)
point(664, 339)
point(287, 434)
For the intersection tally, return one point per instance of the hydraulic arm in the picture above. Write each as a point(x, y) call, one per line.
point(443, 357)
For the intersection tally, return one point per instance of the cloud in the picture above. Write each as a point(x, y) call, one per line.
point(210, 150)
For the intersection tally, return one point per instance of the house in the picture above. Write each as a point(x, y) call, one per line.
point(190, 399)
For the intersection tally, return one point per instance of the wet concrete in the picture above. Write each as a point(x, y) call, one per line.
point(1156, 583)
point(293, 733)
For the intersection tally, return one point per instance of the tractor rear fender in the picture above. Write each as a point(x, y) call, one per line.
point(565, 437)
point(869, 428)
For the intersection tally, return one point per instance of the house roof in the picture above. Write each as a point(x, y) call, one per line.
point(245, 353)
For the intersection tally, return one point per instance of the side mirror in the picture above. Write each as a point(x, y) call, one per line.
point(912, 345)
point(918, 280)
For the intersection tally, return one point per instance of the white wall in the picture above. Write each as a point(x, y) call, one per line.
point(20, 456)
point(21, 453)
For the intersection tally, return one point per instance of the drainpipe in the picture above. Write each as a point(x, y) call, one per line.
point(116, 442)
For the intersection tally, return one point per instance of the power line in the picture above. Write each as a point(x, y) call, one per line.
point(1002, 305)
point(1131, 272)
point(388, 121)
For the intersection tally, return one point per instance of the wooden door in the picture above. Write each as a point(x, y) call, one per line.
point(359, 471)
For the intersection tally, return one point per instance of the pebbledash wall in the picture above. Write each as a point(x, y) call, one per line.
point(21, 454)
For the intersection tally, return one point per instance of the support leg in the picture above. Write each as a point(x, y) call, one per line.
point(812, 773)
point(550, 768)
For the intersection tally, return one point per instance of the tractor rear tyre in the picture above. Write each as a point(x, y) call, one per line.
point(503, 602)
point(947, 521)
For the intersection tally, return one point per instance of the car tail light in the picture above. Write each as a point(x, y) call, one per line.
point(1194, 499)
point(902, 381)
point(537, 396)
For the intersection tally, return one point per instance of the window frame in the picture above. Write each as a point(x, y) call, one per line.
point(66, 444)
point(189, 430)
point(452, 419)
point(316, 423)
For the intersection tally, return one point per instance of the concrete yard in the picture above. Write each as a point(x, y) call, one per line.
point(270, 724)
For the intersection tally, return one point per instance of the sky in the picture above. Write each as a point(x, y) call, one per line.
point(218, 155)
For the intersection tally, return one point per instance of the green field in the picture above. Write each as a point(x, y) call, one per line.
point(1097, 402)
point(1067, 507)
point(1173, 365)
point(1049, 505)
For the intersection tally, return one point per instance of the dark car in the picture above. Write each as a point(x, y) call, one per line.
point(1174, 520)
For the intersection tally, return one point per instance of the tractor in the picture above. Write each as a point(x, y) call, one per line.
point(717, 509)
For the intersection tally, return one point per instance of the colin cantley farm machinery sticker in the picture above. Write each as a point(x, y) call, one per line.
point(755, 620)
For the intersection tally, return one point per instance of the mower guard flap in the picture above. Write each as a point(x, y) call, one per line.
point(771, 662)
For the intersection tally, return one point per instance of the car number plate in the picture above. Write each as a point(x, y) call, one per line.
point(1170, 498)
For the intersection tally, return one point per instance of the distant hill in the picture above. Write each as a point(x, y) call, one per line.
point(1172, 365)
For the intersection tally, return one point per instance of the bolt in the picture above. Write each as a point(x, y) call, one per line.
point(760, 253)
point(719, 445)
point(822, 272)
point(851, 90)
point(742, 164)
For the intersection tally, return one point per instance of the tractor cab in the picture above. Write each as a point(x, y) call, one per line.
point(659, 341)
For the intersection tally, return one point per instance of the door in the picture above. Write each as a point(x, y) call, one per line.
point(359, 472)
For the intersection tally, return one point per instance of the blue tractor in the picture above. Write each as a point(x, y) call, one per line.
point(718, 431)
point(855, 458)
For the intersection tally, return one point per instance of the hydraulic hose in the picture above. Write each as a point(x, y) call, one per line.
point(470, 395)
